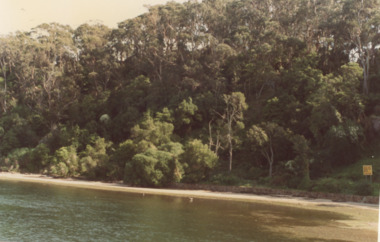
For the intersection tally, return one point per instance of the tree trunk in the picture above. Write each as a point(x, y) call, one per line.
point(4, 70)
point(307, 171)
point(365, 66)
point(229, 138)
point(230, 154)
point(271, 158)
point(270, 168)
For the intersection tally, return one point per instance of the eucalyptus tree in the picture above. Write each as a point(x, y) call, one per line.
point(233, 115)
point(97, 64)
point(7, 59)
point(363, 20)
point(193, 40)
point(267, 138)
point(337, 106)
point(44, 55)
point(350, 32)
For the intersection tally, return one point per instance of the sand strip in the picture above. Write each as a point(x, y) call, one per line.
point(183, 193)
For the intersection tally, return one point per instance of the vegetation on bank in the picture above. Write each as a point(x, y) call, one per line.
point(280, 93)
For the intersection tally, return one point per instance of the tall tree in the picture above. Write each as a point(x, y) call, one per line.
point(232, 116)
point(95, 58)
point(362, 20)
point(7, 55)
point(266, 137)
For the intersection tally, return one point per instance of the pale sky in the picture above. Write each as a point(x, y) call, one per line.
point(25, 14)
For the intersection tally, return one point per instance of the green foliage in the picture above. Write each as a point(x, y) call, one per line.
point(9, 142)
point(122, 155)
point(165, 115)
point(67, 136)
point(13, 159)
point(186, 115)
point(332, 185)
point(153, 168)
point(65, 162)
point(363, 188)
point(342, 143)
point(36, 160)
point(198, 161)
point(94, 159)
point(258, 135)
point(176, 150)
point(121, 103)
point(155, 161)
point(226, 179)
point(17, 133)
point(269, 138)
point(232, 116)
point(155, 132)
point(127, 106)
point(300, 166)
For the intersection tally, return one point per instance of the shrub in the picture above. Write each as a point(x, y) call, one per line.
point(12, 161)
point(198, 160)
point(59, 169)
point(16, 133)
point(65, 162)
point(332, 185)
point(95, 158)
point(36, 159)
point(9, 142)
point(342, 142)
point(154, 168)
point(363, 188)
point(151, 168)
point(176, 168)
point(64, 136)
point(226, 179)
point(284, 180)
point(123, 154)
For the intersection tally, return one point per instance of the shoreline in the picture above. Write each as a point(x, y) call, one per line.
point(204, 194)
point(362, 218)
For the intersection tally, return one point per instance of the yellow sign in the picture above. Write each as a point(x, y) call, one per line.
point(367, 170)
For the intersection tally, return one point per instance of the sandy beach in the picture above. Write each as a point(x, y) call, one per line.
point(364, 217)
point(182, 193)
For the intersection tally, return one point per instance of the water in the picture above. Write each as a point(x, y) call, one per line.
point(40, 212)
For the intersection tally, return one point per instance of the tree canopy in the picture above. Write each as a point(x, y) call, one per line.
point(172, 94)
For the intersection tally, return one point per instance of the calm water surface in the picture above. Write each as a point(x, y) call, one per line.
point(40, 212)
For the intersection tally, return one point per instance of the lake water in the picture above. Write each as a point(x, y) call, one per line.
point(40, 212)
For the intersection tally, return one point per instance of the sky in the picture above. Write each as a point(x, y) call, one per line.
point(22, 15)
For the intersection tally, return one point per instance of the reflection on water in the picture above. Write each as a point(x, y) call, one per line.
point(38, 212)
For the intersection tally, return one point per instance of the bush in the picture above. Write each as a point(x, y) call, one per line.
point(226, 179)
point(284, 180)
point(12, 161)
point(36, 159)
point(153, 168)
point(332, 185)
point(66, 136)
point(122, 155)
point(65, 162)
point(16, 133)
point(95, 158)
point(342, 143)
point(255, 173)
point(363, 188)
point(198, 160)
point(59, 169)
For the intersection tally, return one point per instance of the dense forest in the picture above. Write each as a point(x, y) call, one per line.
point(281, 92)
